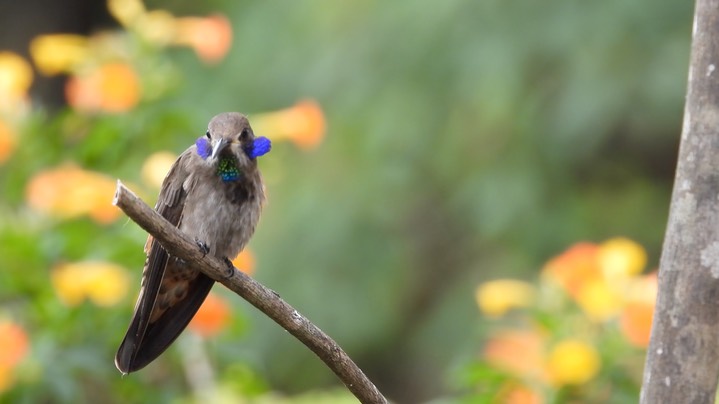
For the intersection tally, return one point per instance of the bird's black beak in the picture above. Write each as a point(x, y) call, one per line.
point(218, 147)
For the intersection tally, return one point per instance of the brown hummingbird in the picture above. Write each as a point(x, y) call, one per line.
point(213, 193)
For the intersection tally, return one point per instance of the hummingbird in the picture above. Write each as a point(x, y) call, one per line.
point(213, 193)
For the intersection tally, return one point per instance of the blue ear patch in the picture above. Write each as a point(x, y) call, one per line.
point(260, 146)
point(203, 147)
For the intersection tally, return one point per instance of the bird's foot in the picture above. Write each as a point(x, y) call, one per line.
point(230, 266)
point(203, 247)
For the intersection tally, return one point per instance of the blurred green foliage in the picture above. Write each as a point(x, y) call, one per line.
point(466, 140)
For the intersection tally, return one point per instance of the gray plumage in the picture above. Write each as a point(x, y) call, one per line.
point(214, 196)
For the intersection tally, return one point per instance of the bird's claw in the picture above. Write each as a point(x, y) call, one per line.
point(203, 247)
point(230, 266)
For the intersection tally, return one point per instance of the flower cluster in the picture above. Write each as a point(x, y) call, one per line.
point(590, 300)
point(103, 77)
point(210, 37)
point(109, 72)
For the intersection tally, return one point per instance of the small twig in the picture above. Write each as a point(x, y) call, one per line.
point(179, 245)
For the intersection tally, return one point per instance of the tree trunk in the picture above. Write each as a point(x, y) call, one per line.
point(682, 363)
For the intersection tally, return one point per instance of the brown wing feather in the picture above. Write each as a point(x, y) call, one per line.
point(152, 328)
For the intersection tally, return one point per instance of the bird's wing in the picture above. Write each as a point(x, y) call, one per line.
point(152, 328)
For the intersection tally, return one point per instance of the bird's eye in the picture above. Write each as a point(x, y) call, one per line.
point(207, 134)
point(244, 134)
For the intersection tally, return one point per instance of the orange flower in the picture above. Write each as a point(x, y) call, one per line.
point(574, 268)
point(245, 261)
point(518, 352)
point(636, 323)
point(104, 283)
point(303, 123)
point(112, 87)
point(15, 345)
point(636, 318)
point(7, 141)
point(210, 37)
point(514, 393)
point(68, 191)
point(212, 317)
point(58, 53)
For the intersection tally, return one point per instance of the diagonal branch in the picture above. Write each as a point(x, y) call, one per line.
point(267, 301)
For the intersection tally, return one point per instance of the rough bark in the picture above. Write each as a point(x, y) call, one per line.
point(682, 363)
point(267, 301)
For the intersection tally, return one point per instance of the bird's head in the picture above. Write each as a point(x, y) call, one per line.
point(229, 136)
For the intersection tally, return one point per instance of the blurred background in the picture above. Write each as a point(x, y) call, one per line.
point(420, 150)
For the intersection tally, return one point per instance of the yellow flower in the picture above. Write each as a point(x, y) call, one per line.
point(15, 79)
point(112, 87)
point(598, 300)
point(156, 167)
point(58, 53)
point(573, 362)
point(68, 191)
point(621, 257)
point(497, 297)
point(105, 284)
point(303, 123)
point(126, 11)
point(158, 27)
point(108, 286)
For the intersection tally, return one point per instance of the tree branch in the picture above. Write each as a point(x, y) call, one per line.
point(179, 245)
point(682, 363)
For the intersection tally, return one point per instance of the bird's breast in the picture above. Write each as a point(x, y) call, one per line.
point(221, 214)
